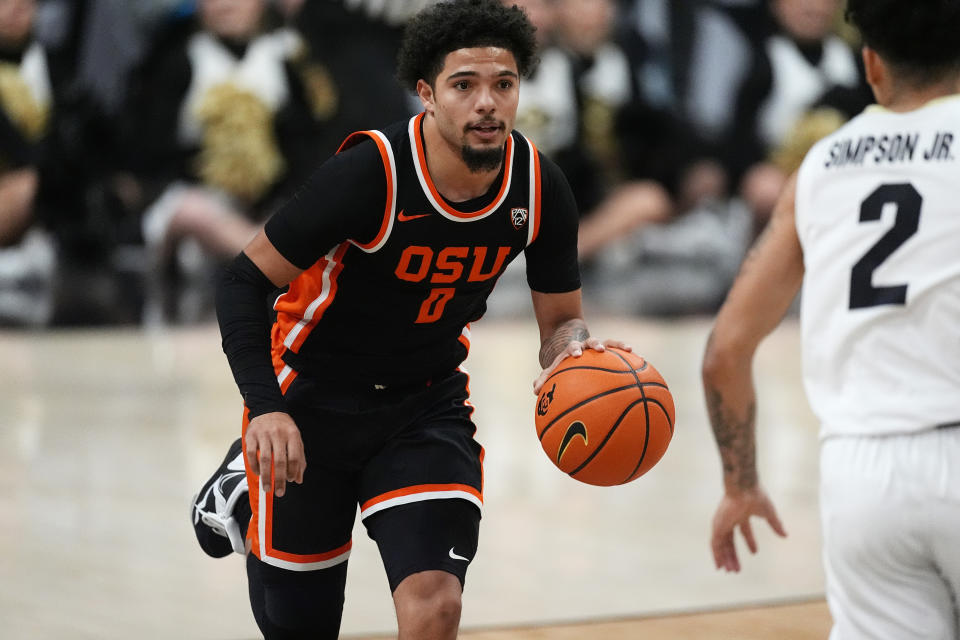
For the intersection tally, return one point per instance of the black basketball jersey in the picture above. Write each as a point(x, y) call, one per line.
point(398, 307)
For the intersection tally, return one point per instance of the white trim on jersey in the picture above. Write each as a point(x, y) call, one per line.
point(319, 300)
point(532, 194)
point(508, 177)
point(284, 373)
point(393, 193)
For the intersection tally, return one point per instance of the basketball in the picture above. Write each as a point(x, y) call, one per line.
point(606, 417)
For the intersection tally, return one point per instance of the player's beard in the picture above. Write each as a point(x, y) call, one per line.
point(481, 160)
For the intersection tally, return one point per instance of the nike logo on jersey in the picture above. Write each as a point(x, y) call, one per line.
point(403, 217)
point(457, 557)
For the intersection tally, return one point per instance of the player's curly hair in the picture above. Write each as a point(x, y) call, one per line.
point(917, 36)
point(457, 24)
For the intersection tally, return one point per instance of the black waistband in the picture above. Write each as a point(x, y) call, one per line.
point(352, 372)
point(948, 425)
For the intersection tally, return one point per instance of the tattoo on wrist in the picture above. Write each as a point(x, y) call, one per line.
point(736, 440)
point(565, 334)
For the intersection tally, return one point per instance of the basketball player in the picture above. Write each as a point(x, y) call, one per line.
point(356, 395)
point(870, 225)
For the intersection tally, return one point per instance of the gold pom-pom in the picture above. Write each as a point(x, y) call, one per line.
point(321, 90)
point(813, 126)
point(18, 102)
point(239, 152)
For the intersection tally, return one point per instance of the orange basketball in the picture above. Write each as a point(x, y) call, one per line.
point(606, 417)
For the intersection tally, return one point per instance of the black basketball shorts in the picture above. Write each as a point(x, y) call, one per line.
point(406, 455)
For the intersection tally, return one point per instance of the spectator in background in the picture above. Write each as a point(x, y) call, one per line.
point(225, 119)
point(659, 239)
point(547, 111)
point(798, 64)
point(26, 103)
point(353, 46)
point(90, 45)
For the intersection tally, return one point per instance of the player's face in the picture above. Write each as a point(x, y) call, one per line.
point(474, 100)
point(232, 18)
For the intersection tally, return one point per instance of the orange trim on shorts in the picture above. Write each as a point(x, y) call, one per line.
point(305, 558)
point(420, 488)
point(253, 481)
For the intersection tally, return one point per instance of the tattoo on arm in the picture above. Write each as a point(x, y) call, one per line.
point(758, 244)
point(567, 332)
point(736, 440)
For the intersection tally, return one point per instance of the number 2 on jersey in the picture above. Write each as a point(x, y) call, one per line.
point(908, 200)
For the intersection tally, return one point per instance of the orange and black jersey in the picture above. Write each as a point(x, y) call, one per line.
point(394, 273)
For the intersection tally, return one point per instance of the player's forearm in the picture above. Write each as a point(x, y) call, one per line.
point(245, 329)
point(564, 334)
point(731, 405)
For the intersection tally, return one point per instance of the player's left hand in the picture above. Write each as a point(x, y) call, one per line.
point(575, 349)
point(735, 511)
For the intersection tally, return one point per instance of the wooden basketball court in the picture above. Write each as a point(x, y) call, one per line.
point(108, 433)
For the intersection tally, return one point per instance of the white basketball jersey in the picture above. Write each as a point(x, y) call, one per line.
point(878, 216)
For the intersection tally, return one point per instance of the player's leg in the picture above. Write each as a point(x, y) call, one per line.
point(300, 543)
point(876, 504)
point(220, 511)
point(421, 498)
point(945, 516)
point(295, 605)
point(426, 548)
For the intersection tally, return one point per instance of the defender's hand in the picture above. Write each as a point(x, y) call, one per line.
point(735, 511)
point(575, 349)
point(274, 444)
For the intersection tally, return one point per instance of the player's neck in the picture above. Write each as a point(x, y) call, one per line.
point(902, 101)
point(450, 174)
point(902, 97)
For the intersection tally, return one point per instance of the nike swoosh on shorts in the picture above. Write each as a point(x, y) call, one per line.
point(457, 557)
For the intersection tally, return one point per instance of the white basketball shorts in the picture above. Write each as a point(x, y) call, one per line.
point(890, 509)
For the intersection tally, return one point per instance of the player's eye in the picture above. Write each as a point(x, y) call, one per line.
point(506, 84)
point(462, 85)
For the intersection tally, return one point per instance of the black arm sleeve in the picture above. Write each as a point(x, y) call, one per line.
point(552, 265)
point(343, 199)
point(245, 330)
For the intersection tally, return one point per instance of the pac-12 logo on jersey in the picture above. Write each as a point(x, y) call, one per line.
point(518, 215)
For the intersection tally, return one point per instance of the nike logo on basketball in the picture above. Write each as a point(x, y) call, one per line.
point(575, 429)
point(457, 557)
point(403, 217)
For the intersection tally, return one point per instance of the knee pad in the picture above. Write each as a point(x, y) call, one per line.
point(289, 605)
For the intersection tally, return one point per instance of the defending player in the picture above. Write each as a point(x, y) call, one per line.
point(871, 227)
point(389, 251)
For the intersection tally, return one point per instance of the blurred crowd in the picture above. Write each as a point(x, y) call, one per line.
point(143, 142)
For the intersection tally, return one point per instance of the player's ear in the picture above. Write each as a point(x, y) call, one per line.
point(875, 71)
point(425, 91)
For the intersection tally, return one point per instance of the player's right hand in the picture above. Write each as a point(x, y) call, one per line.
point(735, 510)
point(273, 444)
